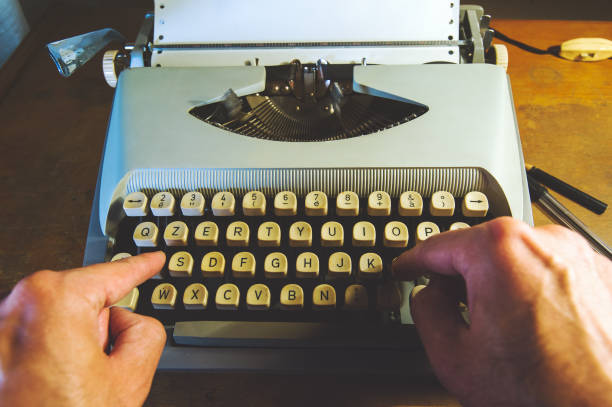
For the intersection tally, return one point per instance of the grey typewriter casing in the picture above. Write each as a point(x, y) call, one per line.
point(468, 140)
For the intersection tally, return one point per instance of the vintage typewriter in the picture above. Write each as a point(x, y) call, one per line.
point(282, 155)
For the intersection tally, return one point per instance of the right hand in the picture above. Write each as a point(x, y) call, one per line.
point(540, 302)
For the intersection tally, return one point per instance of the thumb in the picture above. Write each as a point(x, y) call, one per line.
point(138, 342)
point(435, 310)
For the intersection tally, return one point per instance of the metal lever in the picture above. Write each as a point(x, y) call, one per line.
point(72, 53)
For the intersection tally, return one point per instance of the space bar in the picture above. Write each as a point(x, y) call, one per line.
point(293, 335)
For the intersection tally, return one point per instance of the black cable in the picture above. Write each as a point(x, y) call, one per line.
point(523, 46)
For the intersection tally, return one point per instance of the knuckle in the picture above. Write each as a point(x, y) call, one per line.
point(566, 234)
point(38, 290)
point(504, 231)
point(36, 284)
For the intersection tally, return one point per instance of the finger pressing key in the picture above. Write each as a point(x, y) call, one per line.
point(109, 282)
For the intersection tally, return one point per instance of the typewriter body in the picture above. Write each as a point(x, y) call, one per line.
point(251, 141)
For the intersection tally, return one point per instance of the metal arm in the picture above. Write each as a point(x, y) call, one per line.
point(74, 52)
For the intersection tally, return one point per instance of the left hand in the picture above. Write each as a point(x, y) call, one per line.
point(55, 328)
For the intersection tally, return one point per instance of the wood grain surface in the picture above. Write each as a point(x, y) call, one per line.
point(564, 112)
point(51, 141)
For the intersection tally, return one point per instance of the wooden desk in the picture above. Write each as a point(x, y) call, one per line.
point(564, 112)
point(51, 142)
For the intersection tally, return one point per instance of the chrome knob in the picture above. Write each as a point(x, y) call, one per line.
point(109, 68)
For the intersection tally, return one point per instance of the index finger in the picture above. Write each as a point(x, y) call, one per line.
point(107, 283)
point(453, 253)
point(463, 252)
point(439, 254)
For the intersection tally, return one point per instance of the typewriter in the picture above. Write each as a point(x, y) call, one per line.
point(282, 155)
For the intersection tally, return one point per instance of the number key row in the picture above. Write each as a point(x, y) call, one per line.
point(475, 204)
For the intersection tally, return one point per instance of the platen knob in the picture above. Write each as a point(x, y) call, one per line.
point(109, 68)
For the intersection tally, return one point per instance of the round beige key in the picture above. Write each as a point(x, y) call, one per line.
point(243, 265)
point(396, 234)
point(120, 256)
point(292, 297)
point(223, 204)
point(285, 204)
point(227, 297)
point(130, 301)
point(388, 296)
point(195, 296)
point(323, 297)
point(162, 204)
point(258, 297)
point(176, 234)
point(475, 204)
point(458, 226)
point(425, 230)
point(192, 204)
point(254, 204)
point(307, 265)
point(213, 265)
point(339, 265)
point(379, 204)
point(237, 234)
point(269, 234)
point(206, 234)
point(164, 296)
point(315, 203)
point(442, 203)
point(356, 297)
point(332, 234)
point(347, 204)
point(275, 265)
point(145, 234)
point(135, 204)
point(300, 234)
point(370, 265)
point(180, 264)
point(364, 234)
point(410, 204)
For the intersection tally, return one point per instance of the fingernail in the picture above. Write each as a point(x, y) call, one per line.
point(415, 291)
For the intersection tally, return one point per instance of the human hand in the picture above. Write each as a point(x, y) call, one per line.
point(56, 326)
point(540, 304)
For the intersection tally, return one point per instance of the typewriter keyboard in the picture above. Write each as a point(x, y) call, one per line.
point(258, 261)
